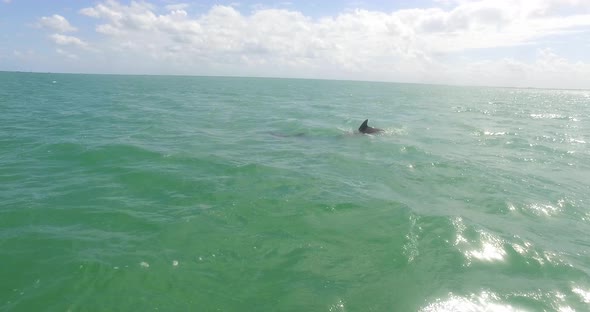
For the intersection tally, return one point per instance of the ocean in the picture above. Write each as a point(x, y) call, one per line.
point(172, 193)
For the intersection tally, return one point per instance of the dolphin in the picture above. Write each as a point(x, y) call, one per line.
point(365, 129)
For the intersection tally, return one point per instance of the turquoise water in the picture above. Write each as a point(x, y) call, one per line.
point(133, 193)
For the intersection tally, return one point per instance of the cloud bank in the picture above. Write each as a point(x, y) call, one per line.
point(57, 23)
point(429, 45)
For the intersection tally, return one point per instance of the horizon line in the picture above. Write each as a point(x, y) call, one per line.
point(294, 78)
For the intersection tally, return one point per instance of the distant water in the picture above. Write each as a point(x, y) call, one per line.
point(139, 193)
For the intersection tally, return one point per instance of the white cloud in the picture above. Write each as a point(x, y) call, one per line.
point(57, 23)
point(67, 54)
point(139, 17)
point(177, 6)
point(24, 55)
point(404, 45)
point(546, 70)
point(68, 41)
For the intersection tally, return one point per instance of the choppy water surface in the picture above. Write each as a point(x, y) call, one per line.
point(130, 193)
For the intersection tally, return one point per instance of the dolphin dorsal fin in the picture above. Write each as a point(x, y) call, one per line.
point(364, 125)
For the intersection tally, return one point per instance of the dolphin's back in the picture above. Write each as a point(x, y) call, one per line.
point(364, 128)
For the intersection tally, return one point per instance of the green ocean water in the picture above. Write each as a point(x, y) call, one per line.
point(158, 193)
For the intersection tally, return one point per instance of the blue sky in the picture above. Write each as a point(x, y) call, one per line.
point(519, 43)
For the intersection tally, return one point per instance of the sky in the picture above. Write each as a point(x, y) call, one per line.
point(512, 43)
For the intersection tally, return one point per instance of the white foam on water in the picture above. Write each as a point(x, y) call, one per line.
point(488, 248)
point(484, 301)
point(582, 293)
